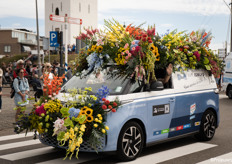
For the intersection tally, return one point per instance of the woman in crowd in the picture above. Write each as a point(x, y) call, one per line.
point(47, 71)
point(21, 88)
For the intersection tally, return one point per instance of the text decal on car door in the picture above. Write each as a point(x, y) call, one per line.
point(161, 109)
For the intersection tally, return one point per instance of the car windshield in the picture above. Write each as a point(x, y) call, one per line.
point(96, 81)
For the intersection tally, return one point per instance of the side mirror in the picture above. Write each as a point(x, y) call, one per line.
point(156, 86)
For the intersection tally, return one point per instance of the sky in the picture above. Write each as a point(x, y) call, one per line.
point(183, 15)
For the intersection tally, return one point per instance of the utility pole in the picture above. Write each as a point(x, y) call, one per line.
point(38, 46)
point(231, 26)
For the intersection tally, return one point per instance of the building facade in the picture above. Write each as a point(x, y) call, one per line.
point(87, 10)
point(14, 42)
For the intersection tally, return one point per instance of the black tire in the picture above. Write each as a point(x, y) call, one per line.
point(130, 141)
point(208, 126)
point(229, 92)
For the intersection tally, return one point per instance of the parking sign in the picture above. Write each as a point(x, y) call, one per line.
point(54, 39)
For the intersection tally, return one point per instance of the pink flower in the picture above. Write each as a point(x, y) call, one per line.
point(127, 52)
point(196, 53)
point(133, 43)
point(40, 110)
point(129, 55)
point(126, 45)
point(126, 57)
point(122, 53)
point(133, 48)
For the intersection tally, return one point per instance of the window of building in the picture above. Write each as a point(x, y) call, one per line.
point(89, 8)
point(7, 48)
point(79, 7)
point(57, 11)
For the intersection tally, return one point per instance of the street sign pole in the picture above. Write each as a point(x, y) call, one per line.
point(38, 46)
point(66, 46)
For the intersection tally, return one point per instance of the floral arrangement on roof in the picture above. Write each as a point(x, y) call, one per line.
point(136, 52)
point(81, 118)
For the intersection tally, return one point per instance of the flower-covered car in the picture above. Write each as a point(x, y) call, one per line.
point(189, 106)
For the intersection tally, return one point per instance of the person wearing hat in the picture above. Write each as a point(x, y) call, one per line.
point(1, 74)
point(47, 71)
point(19, 65)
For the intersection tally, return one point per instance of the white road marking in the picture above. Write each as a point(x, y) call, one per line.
point(225, 158)
point(172, 153)
point(16, 136)
point(82, 157)
point(19, 144)
point(28, 153)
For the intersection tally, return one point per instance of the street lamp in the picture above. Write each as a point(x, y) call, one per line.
point(38, 46)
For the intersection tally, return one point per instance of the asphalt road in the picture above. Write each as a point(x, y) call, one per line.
point(18, 149)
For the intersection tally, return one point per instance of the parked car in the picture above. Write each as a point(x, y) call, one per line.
point(227, 77)
point(189, 107)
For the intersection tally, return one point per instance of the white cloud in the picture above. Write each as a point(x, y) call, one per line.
point(16, 25)
point(22, 8)
point(166, 25)
point(204, 7)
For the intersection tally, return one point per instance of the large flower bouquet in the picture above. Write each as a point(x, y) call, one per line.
point(80, 118)
point(192, 51)
point(132, 51)
point(136, 52)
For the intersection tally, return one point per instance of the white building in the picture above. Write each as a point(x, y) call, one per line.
point(86, 10)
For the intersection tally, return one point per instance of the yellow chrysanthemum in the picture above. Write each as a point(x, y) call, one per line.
point(106, 127)
point(95, 125)
point(103, 131)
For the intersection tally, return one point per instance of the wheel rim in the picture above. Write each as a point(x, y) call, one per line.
point(230, 93)
point(209, 125)
point(131, 142)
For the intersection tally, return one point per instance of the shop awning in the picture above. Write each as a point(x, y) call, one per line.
point(26, 49)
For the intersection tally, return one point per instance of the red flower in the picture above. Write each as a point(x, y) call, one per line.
point(149, 41)
point(113, 110)
point(110, 107)
point(149, 38)
point(115, 104)
point(104, 107)
point(144, 35)
point(137, 48)
point(137, 38)
point(107, 102)
point(103, 99)
point(144, 39)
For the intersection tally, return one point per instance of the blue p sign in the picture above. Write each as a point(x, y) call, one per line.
point(54, 39)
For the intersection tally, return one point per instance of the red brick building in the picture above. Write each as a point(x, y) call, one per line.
point(14, 42)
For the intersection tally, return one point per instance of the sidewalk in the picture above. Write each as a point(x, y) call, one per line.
point(7, 116)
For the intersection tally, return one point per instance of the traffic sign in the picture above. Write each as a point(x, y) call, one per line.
point(74, 20)
point(54, 39)
point(57, 18)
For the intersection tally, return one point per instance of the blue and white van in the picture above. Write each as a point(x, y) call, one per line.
point(227, 77)
point(190, 106)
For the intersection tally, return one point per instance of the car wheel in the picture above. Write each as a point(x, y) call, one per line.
point(130, 142)
point(208, 126)
point(230, 92)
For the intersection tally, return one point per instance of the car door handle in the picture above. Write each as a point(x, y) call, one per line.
point(172, 100)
